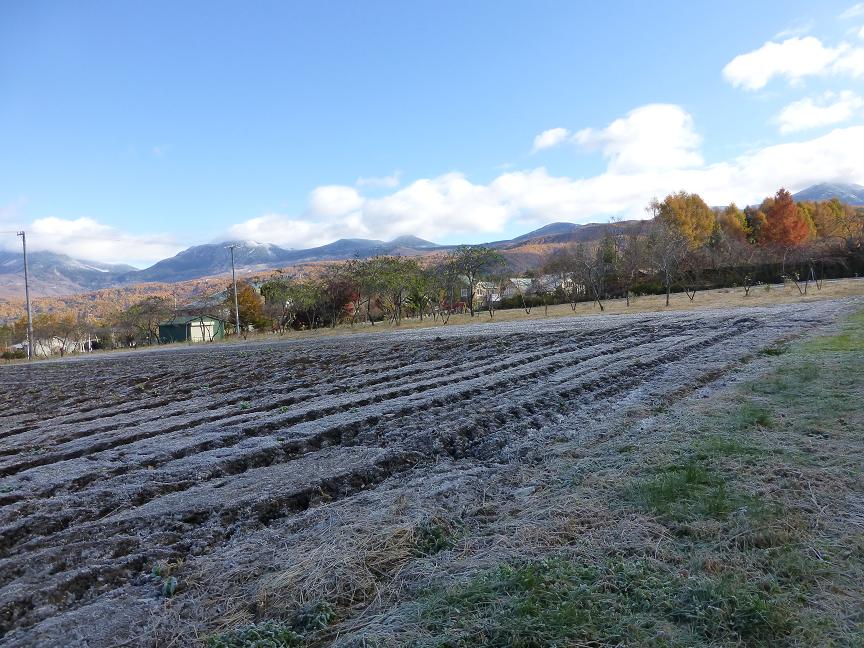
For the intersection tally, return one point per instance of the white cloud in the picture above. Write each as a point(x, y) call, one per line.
point(550, 138)
point(851, 63)
point(299, 232)
point(87, 239)
point(861, 32)
point(432, 208)
point(380, 182)
point(429, 208)
point(795, 30)
point(451, 207)
point(829, 109)
point(854, 11)
point(82, 238)
point(656, 136)
point(333, 200)
point(794, 59)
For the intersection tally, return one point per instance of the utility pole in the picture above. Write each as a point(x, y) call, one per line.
point(27, 298)
point(234, 280)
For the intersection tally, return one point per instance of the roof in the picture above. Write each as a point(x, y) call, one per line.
point(522, 283)
point(189, 318)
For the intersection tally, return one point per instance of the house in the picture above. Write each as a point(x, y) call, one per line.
point(192, 328)
point(48, 346)
point(551, 283)
point(485, 292)
point(517, 286)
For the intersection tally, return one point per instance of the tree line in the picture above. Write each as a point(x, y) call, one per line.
point(684, 245)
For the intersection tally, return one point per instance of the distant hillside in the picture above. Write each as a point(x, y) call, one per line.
point(852, 194)
point(207, 260)
point(250, 256)
point(56, 274)
point(563, 233)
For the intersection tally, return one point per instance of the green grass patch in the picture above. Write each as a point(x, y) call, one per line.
point(850, 339)
point(688, 491)
point(777, 350)
point(749, 415)
point(310, 618)
point(718, 447)
point(559, 602)
point(433, 535)
point(269, 634)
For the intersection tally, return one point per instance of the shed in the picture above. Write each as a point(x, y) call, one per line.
point(192, 328)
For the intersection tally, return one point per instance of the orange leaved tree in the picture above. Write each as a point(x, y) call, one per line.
point(785, 225)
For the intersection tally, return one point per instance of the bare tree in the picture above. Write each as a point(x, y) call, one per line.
point(691, 268)
point(544, 288)
point(668, 249)
point(737, 256)
point(497, 284)
point(591, 267)
point(562, 264)
point(631, 257)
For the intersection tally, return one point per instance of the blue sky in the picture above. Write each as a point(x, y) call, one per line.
point(130, 130)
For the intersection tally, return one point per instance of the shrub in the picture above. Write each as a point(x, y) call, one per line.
point(268, 634)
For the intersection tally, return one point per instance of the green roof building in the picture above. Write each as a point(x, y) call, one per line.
point(193, 328)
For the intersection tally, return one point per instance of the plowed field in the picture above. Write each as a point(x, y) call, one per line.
point(112, 464)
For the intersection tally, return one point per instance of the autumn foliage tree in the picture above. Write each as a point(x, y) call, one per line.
point(785, 225)
point(688, 214)
point(733, 223)
point(250, 304)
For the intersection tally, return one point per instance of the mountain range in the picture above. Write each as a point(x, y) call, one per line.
point(53, 274)
point(852, 194)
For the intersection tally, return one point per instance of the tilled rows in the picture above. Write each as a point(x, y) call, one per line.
point(110, 464)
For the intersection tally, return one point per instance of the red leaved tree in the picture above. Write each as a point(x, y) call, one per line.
point(785, 225)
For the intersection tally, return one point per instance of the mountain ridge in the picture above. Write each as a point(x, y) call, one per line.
point(847, 192)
